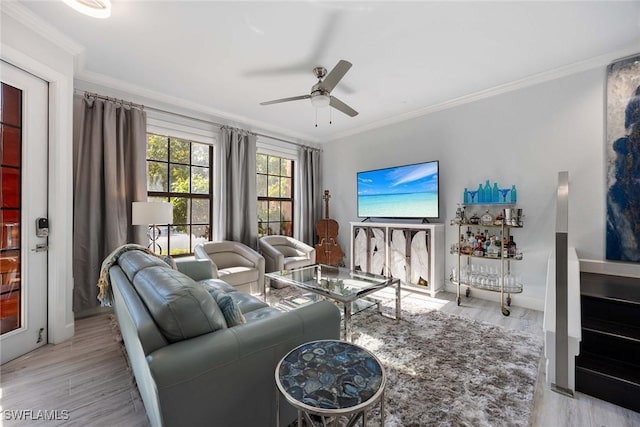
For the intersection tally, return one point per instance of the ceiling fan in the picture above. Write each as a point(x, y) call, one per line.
point(321, 92)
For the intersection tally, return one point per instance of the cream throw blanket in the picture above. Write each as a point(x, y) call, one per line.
point(105, 296)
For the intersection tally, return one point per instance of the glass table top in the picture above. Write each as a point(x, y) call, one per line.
point(338, 283)
point(330, 375)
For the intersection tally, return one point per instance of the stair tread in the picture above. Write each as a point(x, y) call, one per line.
point(612, 328)
point(606, 366)
point(610, 287)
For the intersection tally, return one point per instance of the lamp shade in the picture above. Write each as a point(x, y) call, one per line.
point(148, 213)
point(320, 101)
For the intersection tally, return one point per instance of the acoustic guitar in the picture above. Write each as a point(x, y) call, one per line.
point(328, 251)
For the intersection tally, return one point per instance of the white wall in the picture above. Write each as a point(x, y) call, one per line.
point(36, 54)
point(524, 137)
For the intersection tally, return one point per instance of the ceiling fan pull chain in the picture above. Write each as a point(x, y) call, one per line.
point(316, 117)
point(330, 122)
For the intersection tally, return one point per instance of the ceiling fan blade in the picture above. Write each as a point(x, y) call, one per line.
point(339, 105)
point(293, 98)
point(335, 75)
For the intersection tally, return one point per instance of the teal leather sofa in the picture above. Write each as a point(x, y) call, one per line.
point(193, 370)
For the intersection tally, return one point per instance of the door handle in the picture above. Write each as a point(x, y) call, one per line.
point(40, 247)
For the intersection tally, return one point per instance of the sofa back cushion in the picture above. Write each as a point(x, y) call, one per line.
point(289, 251)
point(180, 307)
point(131, 262)
point(226, 259)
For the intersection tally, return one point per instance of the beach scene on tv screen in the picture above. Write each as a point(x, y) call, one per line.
point(400, 192)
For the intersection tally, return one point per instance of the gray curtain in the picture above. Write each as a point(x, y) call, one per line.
point(238, 199)
point(109, 161)
point(310, 194)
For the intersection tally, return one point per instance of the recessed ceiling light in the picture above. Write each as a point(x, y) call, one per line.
point(93, 8)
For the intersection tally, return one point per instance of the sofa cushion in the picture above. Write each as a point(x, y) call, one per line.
point(247, 302)
point(296, 262)
point(228, 306)
point(180, 307)
point(219, 285)
point(230, 259)
point(238, 275)
point(132, 262)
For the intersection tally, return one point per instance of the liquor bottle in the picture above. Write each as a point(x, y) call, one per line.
point(495, 195)
point(479, 249)
point(480, 194)
point(466, 196)
point(493, 251)
point(511, 248)
point(487, 192)
point(514, 194)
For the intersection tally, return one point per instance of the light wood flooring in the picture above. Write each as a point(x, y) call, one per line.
point(88, 376)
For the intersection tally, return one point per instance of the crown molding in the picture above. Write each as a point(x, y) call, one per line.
point(36, 24)
point(87, 81)
point(534, 79)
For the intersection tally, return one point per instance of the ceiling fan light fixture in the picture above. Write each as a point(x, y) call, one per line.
point(94, 8)
point(320, 101)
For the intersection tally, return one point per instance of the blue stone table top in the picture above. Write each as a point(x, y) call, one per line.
point(330, 375)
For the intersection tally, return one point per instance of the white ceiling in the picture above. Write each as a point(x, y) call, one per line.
point(224, 58)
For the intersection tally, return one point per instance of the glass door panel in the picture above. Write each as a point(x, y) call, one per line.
point(10, 214)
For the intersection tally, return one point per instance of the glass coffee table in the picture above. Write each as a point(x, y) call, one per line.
point(339, 284)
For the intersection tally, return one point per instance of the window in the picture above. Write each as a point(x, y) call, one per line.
point(180, 171)
point(275, 195)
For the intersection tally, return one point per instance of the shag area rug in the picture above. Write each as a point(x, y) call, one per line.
point(445, 370)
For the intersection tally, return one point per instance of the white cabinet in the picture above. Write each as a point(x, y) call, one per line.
point(412, 253)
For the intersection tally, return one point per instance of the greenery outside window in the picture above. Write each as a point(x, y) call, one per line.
point(275, 195)
point(180, 171)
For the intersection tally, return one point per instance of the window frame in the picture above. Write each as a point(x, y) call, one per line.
point(190, 196)
point(291, 199)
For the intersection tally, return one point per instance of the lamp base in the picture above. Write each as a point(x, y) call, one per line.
point(153, 233)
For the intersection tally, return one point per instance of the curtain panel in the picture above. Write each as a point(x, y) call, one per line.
point(109, 160)
point(310, 194)
point(237, 218)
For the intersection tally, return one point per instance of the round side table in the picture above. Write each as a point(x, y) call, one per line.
point(330, 379)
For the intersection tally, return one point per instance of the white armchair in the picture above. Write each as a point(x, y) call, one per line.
point(285, 253)
point(235, 263)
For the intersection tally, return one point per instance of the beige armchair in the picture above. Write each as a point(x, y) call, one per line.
point(285, 253)
point(235, 263)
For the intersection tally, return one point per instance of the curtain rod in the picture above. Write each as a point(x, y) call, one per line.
point(116, 100)
point(210, 122)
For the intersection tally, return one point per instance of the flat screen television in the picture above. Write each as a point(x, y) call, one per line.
point(408, 191)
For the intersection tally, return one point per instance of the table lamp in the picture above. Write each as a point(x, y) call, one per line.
point(152, 213)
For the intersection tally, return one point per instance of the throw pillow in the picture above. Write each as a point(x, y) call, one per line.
point(170, 261)
point(228, 306)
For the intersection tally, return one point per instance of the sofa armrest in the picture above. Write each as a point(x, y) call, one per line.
point(220, 364)
point(303, 247)
point(312, 256)
point(273, 258)
point(197, 269)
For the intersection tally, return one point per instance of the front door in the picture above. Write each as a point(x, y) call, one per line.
point(23, 201)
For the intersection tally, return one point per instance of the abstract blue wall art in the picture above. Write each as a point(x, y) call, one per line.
point(623, 160)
